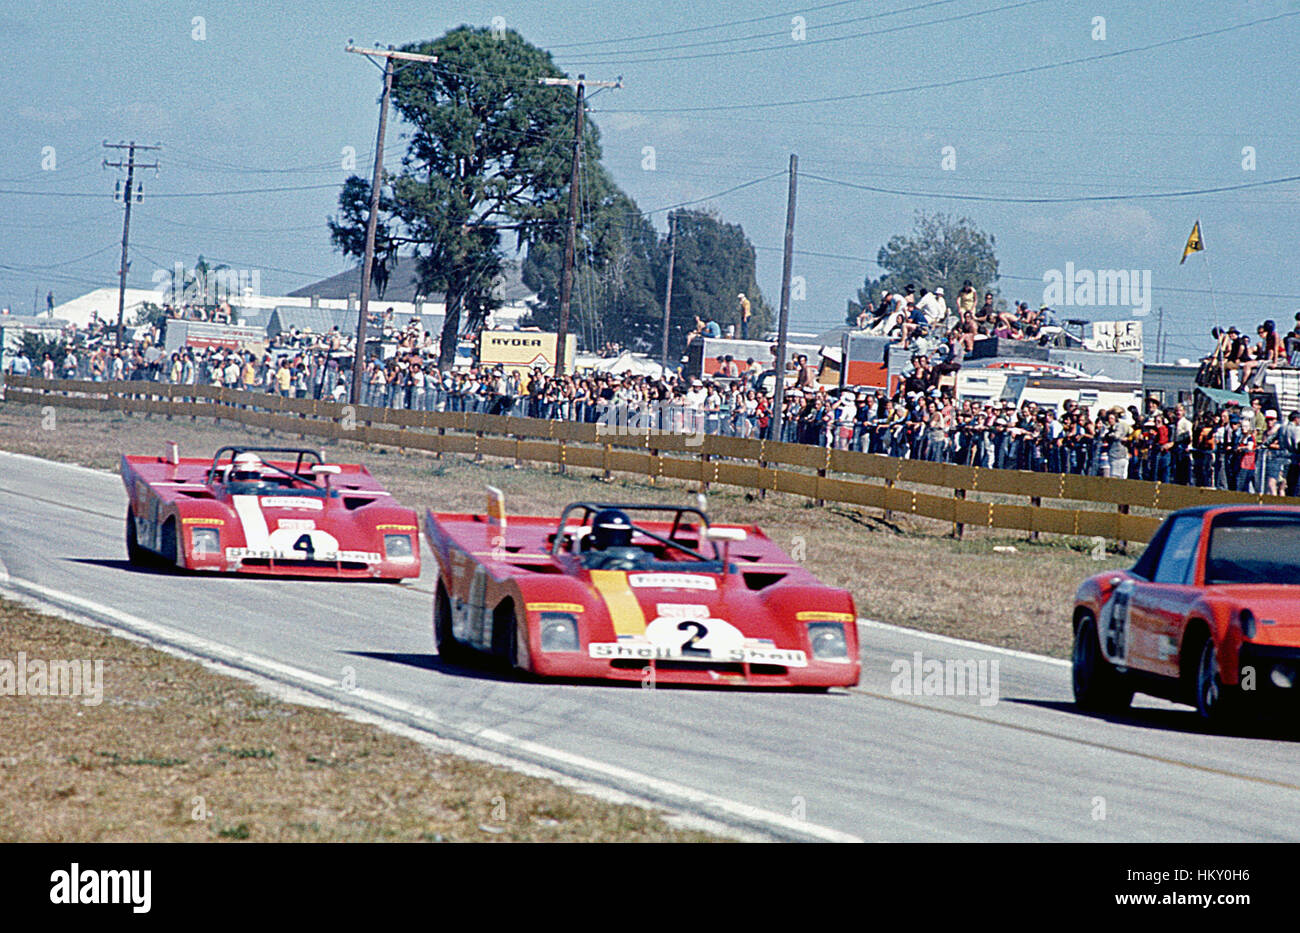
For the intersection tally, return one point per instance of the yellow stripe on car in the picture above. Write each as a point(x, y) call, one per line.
point(819, 616)
point(624, 610)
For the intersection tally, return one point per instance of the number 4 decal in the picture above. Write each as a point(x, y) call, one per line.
point(304, 544)
point(1117, 624)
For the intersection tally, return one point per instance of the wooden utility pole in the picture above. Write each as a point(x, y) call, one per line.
point(783, 327)
point(668, 292)
point(1160, 334)
point(372, 221)
point(129, 192)
point(571, 234)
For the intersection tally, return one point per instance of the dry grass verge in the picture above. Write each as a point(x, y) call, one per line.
point(178, 753)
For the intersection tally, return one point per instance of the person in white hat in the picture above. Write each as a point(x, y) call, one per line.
point(247, 468)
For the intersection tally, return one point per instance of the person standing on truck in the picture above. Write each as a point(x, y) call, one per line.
point(745, 313)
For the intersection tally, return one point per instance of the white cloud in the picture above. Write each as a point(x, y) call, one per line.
point(1119, 224)
point(53, 117)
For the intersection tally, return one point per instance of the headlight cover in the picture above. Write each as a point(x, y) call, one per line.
point(559, 631)
point(828, 641)
point(398, 547)
point(205, 541)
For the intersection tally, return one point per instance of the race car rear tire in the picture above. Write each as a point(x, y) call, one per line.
point(449, 649)
point(134, 552)
point(1098, 686)
point(1218, 704)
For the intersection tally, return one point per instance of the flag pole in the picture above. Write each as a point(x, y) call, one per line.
point(1214, 302)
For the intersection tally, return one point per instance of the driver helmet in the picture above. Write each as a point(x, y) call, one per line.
point(611, 528)
point(247, 468)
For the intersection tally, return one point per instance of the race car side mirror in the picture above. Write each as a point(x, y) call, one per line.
point(726, 536)
point(323, 472)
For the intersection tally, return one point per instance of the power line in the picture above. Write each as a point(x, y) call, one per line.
point(709, 28)
point(806, 43)
point(955, 82)
point(176, 194)
point(1029, 278)
point(1077, 199)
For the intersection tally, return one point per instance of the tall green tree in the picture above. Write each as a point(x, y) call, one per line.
point(615, 295)
point(621, 277)
point(489, 150)
point(941, 252)
point(715, 264)
point(348, 233)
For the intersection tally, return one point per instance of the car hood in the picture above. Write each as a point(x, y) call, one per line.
point(650, 603)
point(1275, 603)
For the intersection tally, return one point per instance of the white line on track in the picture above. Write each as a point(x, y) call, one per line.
point(57, 463)
point(642, 789)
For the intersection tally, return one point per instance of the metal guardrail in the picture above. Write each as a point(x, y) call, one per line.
point(744, 462)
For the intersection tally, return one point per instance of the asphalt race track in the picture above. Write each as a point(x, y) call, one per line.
point(869, 764)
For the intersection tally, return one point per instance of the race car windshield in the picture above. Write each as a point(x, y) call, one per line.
point(1254, 548)
point(273, 487)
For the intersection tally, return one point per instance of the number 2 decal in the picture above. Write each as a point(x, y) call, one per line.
point(701, 630)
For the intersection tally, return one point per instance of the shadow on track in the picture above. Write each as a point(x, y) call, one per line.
point(485, 667)
point(121, 564)
point(431, 662)
point(165, 570)
point(1266, 726)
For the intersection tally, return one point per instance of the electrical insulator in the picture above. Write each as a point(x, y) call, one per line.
point(117, 189)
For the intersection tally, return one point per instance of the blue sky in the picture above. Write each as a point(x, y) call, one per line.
point(268, 99)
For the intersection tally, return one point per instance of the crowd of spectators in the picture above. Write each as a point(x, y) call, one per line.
point(1234, 362)
point(913, 317)
point(1250, 449)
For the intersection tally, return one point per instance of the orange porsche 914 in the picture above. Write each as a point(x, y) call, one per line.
point(1208, 616)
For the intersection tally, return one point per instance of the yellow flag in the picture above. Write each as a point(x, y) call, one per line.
point(1194, 243)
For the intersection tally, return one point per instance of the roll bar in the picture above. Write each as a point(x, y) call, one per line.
point(588, 509)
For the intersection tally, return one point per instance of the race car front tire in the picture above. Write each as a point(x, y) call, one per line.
point(1098, 686)
point(506, 633)
point(134, 552)
point(168, 544)
point(449, 649)
point(1218, 704)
